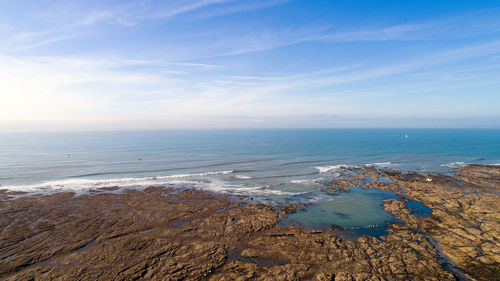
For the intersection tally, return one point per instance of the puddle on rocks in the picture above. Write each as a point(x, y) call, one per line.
point(235, 255)
point(418, 208)
point(358, 212)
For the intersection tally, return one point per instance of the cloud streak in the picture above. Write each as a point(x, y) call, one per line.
point(183, 64)
point(71, 89)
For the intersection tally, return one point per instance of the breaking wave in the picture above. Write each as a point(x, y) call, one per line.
point(381, 165)
point(87, 184)
point(324, 169)
point(454, 164)
point(80, 186)
point(241, 177)
point(308, 181)
point(301, 181)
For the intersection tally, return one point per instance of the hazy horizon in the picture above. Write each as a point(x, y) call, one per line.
point(232, 64)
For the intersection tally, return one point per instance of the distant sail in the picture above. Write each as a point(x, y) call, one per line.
point(406, 136)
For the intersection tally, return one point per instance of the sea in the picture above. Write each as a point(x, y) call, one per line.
point(272, 166)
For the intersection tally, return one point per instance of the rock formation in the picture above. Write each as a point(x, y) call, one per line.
point(161, 233)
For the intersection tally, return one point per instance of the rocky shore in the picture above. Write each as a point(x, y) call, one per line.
point(168, 234)
point(465, 219)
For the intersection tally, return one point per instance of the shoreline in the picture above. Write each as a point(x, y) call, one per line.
point(166, 233)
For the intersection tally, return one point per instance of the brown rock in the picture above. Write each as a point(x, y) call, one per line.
point(158, 234)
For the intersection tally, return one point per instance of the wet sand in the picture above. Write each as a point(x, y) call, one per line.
point(167, 234)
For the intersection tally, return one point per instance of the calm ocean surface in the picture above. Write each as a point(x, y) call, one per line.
point(272, 165)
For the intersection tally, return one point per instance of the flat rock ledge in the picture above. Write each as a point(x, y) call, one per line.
point(167, 234)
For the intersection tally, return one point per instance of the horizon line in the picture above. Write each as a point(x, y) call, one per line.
point(253, 129)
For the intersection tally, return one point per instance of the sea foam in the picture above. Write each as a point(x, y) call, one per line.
point(381, 164)
point(301, 181)
point(241, 177)
point(87, 184)
point(324, 169)
point(195, 180)
point(454, 164)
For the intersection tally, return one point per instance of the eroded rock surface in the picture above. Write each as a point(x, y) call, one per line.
point(151, 234)
point(166, 234)
point(465, 212)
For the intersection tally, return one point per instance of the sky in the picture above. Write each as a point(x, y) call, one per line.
point(211, 64)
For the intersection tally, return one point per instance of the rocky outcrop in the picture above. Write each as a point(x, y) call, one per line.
point(150, 234)
point(167, 234)
point(320, 255)
point(465, 213)
point(160, 234)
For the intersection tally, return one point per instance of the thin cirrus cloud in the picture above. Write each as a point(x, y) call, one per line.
point(132, 13)
point(157, 92)
point(456, 27)
point(184, 64)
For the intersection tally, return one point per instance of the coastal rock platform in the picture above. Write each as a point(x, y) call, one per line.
point(162, 233)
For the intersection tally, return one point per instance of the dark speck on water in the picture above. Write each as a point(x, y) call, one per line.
point(342, 215)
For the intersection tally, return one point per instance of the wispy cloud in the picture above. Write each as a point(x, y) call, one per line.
point(430, 30)
point(134, 12)
point(48, 41)
point(173, 62)
point(395, 32)
point(95, 17)
point(237, 7)
point(94, 89)
point(131, 13)
point(170, 11)
point(163, 63)
point(78, 19)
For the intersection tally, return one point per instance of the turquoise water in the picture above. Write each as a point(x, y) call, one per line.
point(418, 209)
point(354, 209)
point(273, 166)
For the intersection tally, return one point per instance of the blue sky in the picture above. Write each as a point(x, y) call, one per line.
point(248, 64)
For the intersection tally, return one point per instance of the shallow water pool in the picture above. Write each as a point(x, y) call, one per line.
point(359, 208)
